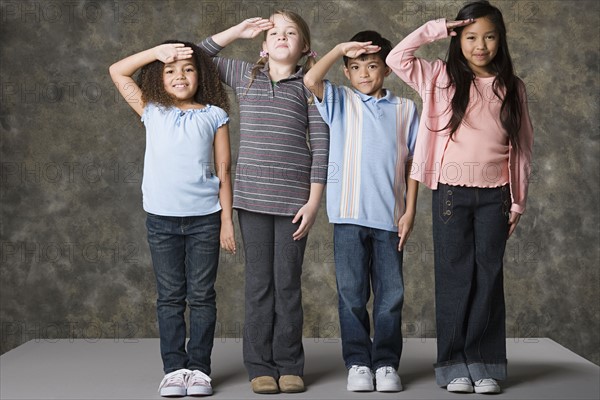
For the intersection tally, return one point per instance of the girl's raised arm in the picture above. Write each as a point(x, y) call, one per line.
point(122, 71)
point(247, 29)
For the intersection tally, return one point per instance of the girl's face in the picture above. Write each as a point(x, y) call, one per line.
point(181, 80)
point(283, 42)
point(479, 43)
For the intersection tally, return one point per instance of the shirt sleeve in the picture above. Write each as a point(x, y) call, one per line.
point(318, 134)
point(412, 130)
point(331, 103)
point(221, 117)
point(520, 163)
point(418, 72)
point(231, 71)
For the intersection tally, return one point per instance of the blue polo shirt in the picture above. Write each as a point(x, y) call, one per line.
point(370, 142)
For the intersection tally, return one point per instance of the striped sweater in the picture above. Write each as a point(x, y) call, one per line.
point(284, 142)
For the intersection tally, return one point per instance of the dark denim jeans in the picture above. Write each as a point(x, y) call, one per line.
point(366, 257)
point(470, 229)
point(273, 314)
point(185, 255)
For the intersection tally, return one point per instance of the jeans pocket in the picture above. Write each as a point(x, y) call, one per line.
point(446, 198)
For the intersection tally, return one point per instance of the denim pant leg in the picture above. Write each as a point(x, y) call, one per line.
point(470, 229)
point(258, 237)
point(485, 345)
point(202, 245)
point(388, 292)
point(454, 259)
point(288, 351)
point(352, 253)
point(167, 248)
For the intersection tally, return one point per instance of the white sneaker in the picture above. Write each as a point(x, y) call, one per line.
point(487, 386)
point(198, 384)
point(174, 383)
point(387, 380)
point(460, 385)
point(360, 379)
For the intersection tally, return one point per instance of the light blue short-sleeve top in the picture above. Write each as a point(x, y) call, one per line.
point(178, 176)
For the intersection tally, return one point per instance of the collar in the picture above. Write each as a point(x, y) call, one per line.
point(389, 97)
point(298, 74)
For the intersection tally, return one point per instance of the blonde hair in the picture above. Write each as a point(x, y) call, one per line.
point(304, 33)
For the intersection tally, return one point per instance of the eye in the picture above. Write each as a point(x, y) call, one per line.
point(190, 69)
point(491, 37)
point(169, 71)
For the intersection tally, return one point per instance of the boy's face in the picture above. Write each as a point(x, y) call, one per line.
point(366, 74)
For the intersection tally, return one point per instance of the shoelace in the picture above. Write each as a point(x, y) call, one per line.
point(175, 378)
point(198, 378)
point(487, 381)
point(361, 370)
point(388, 371)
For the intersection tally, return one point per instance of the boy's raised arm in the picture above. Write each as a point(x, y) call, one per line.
point(313, 79)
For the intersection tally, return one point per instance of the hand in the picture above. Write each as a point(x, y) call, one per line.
point(308, 214)
point(451, 25)
point(251, 27)
point(227, 237)
point(405, 227)
point(169, 52)
point(513, 220)
point(356, 49)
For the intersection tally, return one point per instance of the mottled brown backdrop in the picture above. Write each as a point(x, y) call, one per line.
point(75, 262)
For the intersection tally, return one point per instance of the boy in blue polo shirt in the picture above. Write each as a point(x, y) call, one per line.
point(371, 202)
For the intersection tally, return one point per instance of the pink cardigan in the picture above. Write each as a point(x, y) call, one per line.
point(430, 80)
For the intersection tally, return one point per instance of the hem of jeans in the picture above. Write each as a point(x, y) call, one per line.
point(377, 366)
point(169, 370)
point(446, 371)
point(360, 364)
point(484, 369)
point(203, 370)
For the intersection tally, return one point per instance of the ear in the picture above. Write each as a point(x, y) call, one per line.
point(346, 72)
point(264, 46)
point(305, 49)
point(388, 71)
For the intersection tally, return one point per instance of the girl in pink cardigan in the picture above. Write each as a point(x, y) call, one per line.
point(474, 151)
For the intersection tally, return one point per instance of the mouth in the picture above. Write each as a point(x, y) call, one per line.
point(180, 86)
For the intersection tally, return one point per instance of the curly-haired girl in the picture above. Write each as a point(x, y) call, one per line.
point(183, 106)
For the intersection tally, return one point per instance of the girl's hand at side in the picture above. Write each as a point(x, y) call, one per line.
point(356, 49)
point(451, 25)
point(252, 27)
point(228, 237)
point(170, 52)
point(308, 214)
point(513, 221)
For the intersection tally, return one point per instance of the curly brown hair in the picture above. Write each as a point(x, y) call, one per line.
point(210, 89)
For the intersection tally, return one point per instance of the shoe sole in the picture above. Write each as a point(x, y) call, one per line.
point(459, 388)
point(172, 392)
point(485, 390)
point(200, 391)
point(389, 389)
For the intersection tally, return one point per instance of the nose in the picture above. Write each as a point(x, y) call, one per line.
point(481, 44)
point(364, 72)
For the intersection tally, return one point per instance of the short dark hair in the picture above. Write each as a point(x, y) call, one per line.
point(376, 39)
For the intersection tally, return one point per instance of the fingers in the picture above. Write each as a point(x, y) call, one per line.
point(228, 244)
point(451, 25)
point(301, 231)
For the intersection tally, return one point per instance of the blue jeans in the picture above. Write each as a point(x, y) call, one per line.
point(470, 229)
point(366, 257)
point(185, 255)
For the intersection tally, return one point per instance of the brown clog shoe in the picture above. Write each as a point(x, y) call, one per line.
point(264, 385)
point(291, 384)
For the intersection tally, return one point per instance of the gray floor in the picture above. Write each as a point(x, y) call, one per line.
point(108, 369)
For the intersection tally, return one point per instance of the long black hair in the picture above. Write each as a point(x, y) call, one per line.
point(461, 75)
